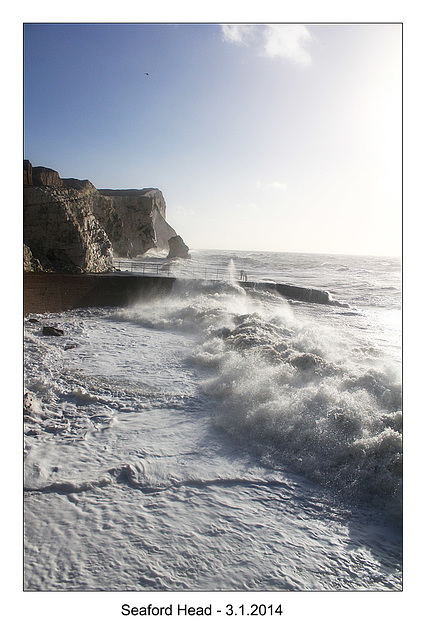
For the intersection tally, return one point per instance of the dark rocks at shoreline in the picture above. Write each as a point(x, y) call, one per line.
point(52, 331)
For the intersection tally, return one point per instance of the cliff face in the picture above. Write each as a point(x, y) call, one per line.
point(69, 225)
point(134, 220)
point(61, 230)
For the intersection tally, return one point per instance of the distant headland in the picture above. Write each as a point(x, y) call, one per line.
point(70, 226)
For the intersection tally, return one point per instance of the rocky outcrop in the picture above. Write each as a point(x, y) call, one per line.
point(69, 225)
point(177, 248)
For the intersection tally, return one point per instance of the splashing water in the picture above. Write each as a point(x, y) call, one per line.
point(232, 272)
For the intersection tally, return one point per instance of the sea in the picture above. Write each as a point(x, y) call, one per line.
point(221, 437)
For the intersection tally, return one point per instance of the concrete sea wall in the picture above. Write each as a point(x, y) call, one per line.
point(54, 292)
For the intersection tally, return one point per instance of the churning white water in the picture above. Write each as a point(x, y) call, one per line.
point(220, 438)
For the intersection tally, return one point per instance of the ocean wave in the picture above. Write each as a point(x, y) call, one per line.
point(335, 422)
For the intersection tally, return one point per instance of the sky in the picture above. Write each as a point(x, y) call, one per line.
point(271, 137)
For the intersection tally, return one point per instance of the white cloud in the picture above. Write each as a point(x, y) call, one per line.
point(287, 41)
point(271, 186)
point(238, 33)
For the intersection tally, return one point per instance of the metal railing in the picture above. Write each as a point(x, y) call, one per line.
point(181, 270)
point(196, 271)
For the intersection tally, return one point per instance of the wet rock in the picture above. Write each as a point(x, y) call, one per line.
point(71, 345)
point(52, 331)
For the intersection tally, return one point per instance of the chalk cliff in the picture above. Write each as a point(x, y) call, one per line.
point(61, 230)
point(69, 225)
point(134, 219)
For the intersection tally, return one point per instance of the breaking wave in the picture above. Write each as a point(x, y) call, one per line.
point(303, 398)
